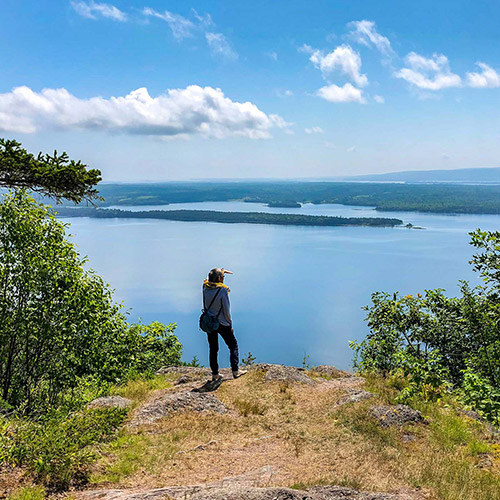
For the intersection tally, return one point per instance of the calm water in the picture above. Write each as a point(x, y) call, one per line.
point(296, 291)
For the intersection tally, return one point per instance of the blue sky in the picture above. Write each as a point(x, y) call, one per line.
point(161, 90)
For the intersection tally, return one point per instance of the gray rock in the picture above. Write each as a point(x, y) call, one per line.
point(354, 395)
point(177, 402)
point(183, 379)
point(396, 415)
point(280, 373)
point(245, 493)
point(330, 371)
point(192, 371)
point(110, 402)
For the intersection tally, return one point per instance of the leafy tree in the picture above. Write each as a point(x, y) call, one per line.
point(54, 175)
point(437, 341)
point(58, 322)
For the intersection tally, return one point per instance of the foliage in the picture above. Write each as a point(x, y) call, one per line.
point(58, 449)
point(439, 198)
point(438, 342)
point(54, 175)
point(478, 393)
point(28, 493)
point(248, 360)
point(58, 323)
point(195, 363)
point(232, 217)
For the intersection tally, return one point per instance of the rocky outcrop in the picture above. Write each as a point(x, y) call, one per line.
point(177, 402)
point(396, 415)
point(280, 373)
point(191, 371)
point(354, 395)
point(247, 493)
point(110, 402)
point(330, 371)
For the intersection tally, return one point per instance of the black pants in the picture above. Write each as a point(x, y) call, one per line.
point(226, 332)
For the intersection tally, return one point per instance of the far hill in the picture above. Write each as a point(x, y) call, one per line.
point(466, 175)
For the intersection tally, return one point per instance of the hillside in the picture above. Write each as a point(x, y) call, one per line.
point(464, 175)
point(288, 433)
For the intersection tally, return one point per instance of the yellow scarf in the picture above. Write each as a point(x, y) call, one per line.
point(209, 284)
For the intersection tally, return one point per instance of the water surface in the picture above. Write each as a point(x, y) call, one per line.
point(296, 291)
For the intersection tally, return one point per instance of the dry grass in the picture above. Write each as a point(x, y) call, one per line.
point(308, 440)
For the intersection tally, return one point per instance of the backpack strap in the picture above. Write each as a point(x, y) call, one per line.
point(211, 302)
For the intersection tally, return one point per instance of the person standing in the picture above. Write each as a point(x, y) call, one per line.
point(216, 295)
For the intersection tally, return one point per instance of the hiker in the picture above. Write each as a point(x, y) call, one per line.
point(216, 303)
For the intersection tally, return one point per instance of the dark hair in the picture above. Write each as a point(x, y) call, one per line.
point(215, 275)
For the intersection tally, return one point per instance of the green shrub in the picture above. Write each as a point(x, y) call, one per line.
point(28, 493)
point(440, 343)
point(59, 325)
point(58, 449)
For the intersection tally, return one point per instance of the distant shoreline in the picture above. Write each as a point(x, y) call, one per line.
point(229, 217)
point(389, 197)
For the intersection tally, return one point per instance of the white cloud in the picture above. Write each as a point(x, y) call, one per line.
point(272, 55)
point(329, 145)
point(346, 93)
point(379, 99)
point(365, 33)
point(428, 73)
point(488, 78)
point(180, 26)
point(219, 46)
point(284, 93)
point(343, 58)
point(203, 19)
point(314, 130)
point(179, 112)
point(92, 10)
point(351, 149)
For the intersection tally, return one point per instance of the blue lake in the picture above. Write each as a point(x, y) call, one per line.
point(295, 291)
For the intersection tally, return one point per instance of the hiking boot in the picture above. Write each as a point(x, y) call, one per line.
point(216, 377)
point(239, 373)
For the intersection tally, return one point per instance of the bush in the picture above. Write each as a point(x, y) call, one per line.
point(58, 322)
point(58, 449)
point(439, 343)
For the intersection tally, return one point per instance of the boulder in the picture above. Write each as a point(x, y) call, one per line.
point(354, 395)
point(280, 373)
point(396, 415)
point(330, 371)
point(177, 402)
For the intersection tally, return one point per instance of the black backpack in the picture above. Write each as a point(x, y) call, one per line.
point(208, 322)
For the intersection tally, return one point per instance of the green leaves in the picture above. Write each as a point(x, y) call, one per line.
point(54, 175)
point(58, 322)
point(439, 342)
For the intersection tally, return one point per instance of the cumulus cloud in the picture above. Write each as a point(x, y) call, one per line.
point(219, 46)
point(346, 93)
point(343, 58)
point(180, 26)
point(487, 78)
point(365, 33)
point(93, 10)
point(314, 130)
point(378, 99)
point(428, 73)
point(179, 112)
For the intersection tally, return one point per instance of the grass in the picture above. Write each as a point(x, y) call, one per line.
point(138, 390)
point(308, 439)
point(28, 493)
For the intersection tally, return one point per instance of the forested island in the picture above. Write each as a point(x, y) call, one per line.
point(229, 217)
point(436, 198)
